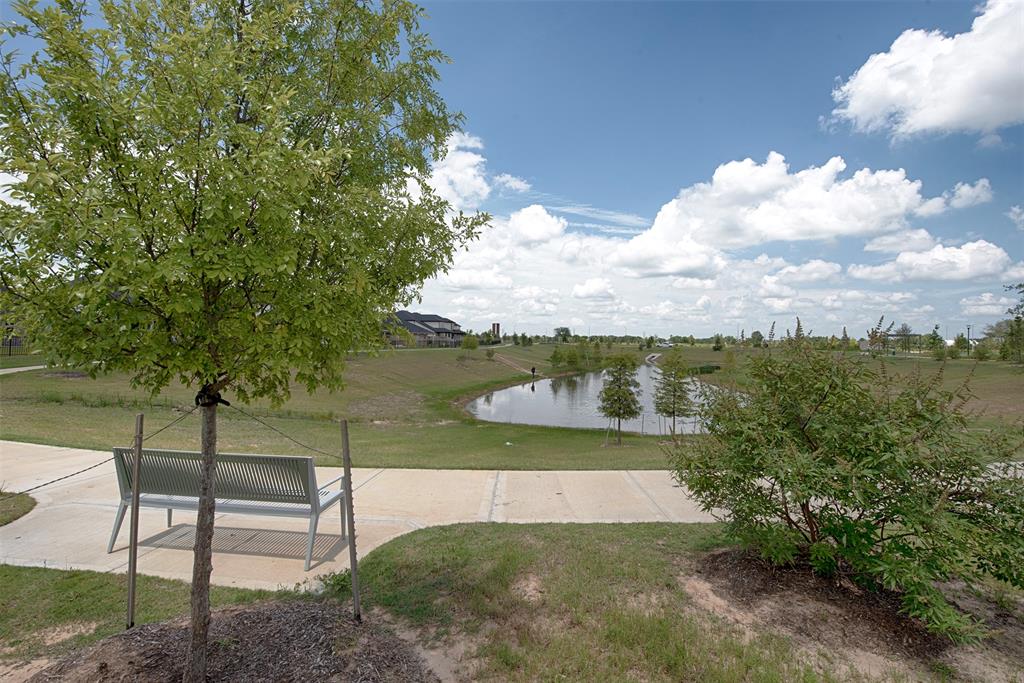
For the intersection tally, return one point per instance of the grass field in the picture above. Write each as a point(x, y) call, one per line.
point(45, 612)
point(14, 505)
point(611, 602)
point(19, 361)
point(404, 409)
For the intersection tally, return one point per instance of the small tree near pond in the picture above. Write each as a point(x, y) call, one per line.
point(227, 194)
point(862, 474)
point(469, 343)
point(620, 395)
point(672, 389)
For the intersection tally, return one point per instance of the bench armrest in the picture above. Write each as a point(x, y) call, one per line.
point(332, 481)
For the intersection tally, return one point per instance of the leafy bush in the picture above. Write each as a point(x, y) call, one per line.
point(490, 354)
point(860, 473)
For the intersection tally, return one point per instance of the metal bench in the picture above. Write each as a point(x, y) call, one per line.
point(277, 485)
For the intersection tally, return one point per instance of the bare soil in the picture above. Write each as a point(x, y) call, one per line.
point(294, 640)
point(862, 628)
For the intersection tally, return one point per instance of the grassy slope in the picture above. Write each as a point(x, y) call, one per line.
point(573, 602)
point(35, 601)
point(404, 409)
point(14, 505)
point(20, 361)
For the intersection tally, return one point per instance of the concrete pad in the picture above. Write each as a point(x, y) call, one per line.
point(71, 524)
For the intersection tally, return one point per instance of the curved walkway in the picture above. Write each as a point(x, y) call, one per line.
point(70, 526)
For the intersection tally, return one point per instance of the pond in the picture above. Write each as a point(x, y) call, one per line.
point(573, 402)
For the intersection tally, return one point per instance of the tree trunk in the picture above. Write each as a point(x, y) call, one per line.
point(618, 431)
point(202, 564)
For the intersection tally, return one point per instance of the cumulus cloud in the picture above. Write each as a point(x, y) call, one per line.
point(748, 203)
point(986, 303)
point(478, 303)
point(965, 194)
point(905, 240)
point(973, 259)
point(534, 224)
point(594, 288)
point(812, 271)
point(1016, 214)
point(928, 82)
point(511, 182)
point(460, 177)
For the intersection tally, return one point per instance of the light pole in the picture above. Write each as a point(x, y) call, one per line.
point(968, 341)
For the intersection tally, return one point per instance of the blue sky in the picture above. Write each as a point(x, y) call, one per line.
point(622, 120)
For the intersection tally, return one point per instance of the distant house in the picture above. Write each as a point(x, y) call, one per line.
point(427, 329)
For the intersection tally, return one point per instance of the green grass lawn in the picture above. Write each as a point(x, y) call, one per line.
point(20, 361)
point(404, 408)
point(573, 602)
point(14, 505)
point(38, 606)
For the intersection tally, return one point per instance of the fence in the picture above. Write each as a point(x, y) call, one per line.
point(15, 346)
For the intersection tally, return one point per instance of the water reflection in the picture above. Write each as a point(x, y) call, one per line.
point(573, 402)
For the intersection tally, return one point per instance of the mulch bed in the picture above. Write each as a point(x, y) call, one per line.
point(292, 640)
point(817, 608)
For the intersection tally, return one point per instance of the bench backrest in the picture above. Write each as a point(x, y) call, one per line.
point(268, 478)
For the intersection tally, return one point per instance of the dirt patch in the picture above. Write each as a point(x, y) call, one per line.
point(58, 634)
point(863, 628)
point(452, 658)
point(294, 640)
point(66, 374)
point(529, 588)
point(20, 671)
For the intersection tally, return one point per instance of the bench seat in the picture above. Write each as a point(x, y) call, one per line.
point(274, 485)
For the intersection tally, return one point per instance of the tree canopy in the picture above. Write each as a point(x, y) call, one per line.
point(226, 194)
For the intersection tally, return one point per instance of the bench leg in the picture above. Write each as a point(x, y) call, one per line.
point(168, 518)
point(341, 511)
point(121, 509)
point(312, 537)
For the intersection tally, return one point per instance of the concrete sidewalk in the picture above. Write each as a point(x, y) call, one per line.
point(71, 524)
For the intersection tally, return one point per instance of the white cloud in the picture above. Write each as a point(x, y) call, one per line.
point(1015, 272)
point(747, 203)
point(928, 82)
point(965, 194)
point(905, 240)
point(534, 224)
point(692, 283)
point(1016, 214)
point(460, 177)
point(973, 259)
point(771, 287)
point(985, 304)
point(478, 303)
point(812, 271)
point(511, 182)
point(619, 218)
point(594, 288)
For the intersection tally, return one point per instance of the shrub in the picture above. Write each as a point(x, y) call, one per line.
point(953, 352)
point(982, 352)
point(860, 473)
point(939, 352)
point(490, 354)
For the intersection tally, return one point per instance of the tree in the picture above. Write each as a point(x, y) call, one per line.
point(845, 339)
point(562, 334)
point(961, 343)
point(556, 357)
point(757, 339)
point(861, 473)
point(935, 339)
point(672, 389)
point(718, 343)
point(469, 344)
point(620, 395)
point(515, 338)
point(224, 193)
point(903, 333)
